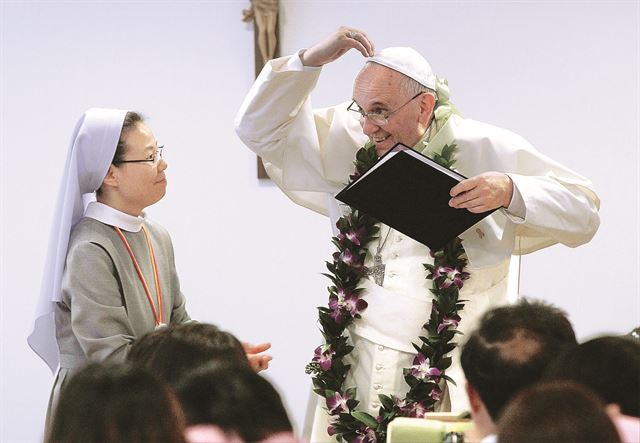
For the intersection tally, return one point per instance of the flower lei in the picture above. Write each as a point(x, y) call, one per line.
point(346, 269)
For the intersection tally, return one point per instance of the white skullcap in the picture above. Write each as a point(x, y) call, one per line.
point(407, 61)
point(91, 150)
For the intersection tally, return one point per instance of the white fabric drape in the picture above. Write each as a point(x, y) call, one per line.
point(91, 150)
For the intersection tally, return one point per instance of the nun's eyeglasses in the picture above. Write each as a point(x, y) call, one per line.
point(153, 158)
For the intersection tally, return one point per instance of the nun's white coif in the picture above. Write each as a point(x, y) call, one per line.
point(91, 151)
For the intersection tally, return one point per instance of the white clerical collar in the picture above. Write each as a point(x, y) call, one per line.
point(423, 143)
point(113, 217)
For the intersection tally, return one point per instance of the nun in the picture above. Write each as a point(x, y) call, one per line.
point(110, 274)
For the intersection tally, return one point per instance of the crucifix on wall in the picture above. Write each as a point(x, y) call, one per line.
point(264, 14)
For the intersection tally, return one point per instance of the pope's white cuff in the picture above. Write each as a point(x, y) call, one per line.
point(516, 211)
point(295, 63)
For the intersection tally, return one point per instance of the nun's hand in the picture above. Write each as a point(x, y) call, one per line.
point(336, 45)
point(257, 360)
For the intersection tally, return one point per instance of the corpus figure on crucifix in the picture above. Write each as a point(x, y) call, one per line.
point(265, 14)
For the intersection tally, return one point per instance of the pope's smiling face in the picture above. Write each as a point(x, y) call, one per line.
point(378, 89)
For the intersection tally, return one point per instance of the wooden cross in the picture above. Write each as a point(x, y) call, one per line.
point(266, 41)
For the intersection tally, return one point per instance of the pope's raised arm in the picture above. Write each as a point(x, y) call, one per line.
point(276, 120)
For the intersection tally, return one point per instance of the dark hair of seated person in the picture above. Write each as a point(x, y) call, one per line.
point(235, 399)
point(609, 366)
point(116, 403)
point(170, 352)
point(557, 411)
point(512, 348)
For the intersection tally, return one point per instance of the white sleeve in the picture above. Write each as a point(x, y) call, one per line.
point(551, 203)
point(558, 208)
point(516, 211)
point(308, 153)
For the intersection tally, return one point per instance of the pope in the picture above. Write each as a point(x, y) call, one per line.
point(309, 153)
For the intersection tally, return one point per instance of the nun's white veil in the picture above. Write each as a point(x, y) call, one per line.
point(91, 150)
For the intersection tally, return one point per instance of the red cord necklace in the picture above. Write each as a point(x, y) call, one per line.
point(157, 313)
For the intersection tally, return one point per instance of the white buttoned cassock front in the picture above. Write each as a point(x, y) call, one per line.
point(309, 154)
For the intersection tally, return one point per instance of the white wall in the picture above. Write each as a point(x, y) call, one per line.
point(564, 75)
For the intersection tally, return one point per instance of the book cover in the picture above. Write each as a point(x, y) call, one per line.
point(410, 192)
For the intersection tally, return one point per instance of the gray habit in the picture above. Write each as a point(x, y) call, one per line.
point(104, 307)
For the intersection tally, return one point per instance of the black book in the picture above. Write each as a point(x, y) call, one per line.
point(410, 192)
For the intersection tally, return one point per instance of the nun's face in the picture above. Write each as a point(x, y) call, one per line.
point(141, 184)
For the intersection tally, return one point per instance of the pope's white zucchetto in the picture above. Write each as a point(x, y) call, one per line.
point(407, 61)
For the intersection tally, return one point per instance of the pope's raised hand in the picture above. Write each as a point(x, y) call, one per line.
point(483, 192)
point(335, 45)
point(257, 360)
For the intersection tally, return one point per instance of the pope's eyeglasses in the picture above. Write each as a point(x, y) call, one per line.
point(378, 118)
point(153, 158)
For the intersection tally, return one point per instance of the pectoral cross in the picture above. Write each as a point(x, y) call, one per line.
point(377, 271)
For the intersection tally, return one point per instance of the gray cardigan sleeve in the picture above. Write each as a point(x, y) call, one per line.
point(91, 289)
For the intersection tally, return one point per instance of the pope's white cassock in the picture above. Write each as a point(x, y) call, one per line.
point(309, 154)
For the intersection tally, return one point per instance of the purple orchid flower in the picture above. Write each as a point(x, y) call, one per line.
point(399, 402)
point(337, 316)
point(354, 304)
point(331, 429)
point(323, 355)
point(365, 435)
point(353, 238)
point(415, 410)
point(451, 277)
point(422, 370)
point(441, 271)
point(348, 258)
point(449, 321)
point(338, 301)
point(336, 311)
point(420, 410)
point(436, 393)
point(337, 404)
point(345, 303)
